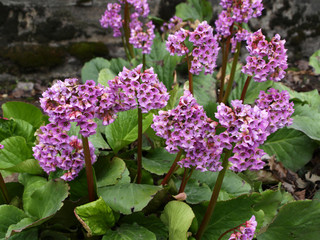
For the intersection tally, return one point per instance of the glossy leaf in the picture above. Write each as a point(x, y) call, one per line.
point(17, 156)
point(197, 192)
point(117, 64)
point(195, 10)
point(96, 217)
point(91, 69)
point(150, 222)
point(291, 147)
point(23, 111)
point(109, 172)
point(158, 161)
point(105, 75)
point(178, 217)
point(46, 199)
point(9, 215)
point(128, 198)
point(124, 130)
point(232, 183)
point(129, 232)
point(314, 61)
point(296, 220)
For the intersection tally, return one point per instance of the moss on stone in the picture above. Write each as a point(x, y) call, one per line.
point(35, 56)
point(85, 51)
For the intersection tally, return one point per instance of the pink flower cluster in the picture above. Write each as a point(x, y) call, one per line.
point(278, 107)
point(139, 37)
point(206, 49)
point(140, 6)
point(175, 43)
point(112, 18)
point(246, 129)
point(267, 60)
point(188, 128)
point(240, 11)
point(172, 25)
point(70, 101)
point(56, 149)
point(245, 231)
point(132, 85)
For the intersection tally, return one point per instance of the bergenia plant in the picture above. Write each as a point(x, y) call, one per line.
point(168, 143)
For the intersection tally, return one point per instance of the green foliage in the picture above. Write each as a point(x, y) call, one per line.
point(96, 217)
point(158, 161)
point(314, 61)
point(128, 198)
point(195, 10)
point(91, 69)
point(178, 217)
point(291, 147)
point(296, 220)
point(129, 232)
point(23, 111)
point(124, 130)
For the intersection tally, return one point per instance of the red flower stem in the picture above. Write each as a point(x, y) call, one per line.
point(139, 154)
point(4, 190)
point(232, 229)
point(214, 197)
point(140, 126)
point(127, 28)
point(232, 73)
point(185, 181)
point(183, 184)
point(172, 169)
point(245, 88)
point(89, 171)
point(224, 65)
point(190, 74)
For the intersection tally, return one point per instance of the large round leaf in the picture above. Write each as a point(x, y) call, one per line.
point(128, 198)
point(296, 220)
point(158, 161)
point(129, 232)
point(24, 111)
point(178, 217)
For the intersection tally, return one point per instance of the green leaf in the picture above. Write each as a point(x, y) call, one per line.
point(79, 186)
point(232, 183)
point(96, 217)
point(26, 130)
point(16, 154)
point(195, 10)
point(178, 217)
point(197, 192)
point(28, 234)
point(158, 161)
point(91, 69)
point(7, 128)
point(253, 91)
point(23, 111)
point(45, 200)
point(150, 222)
point(109, 172)
point(105, 75)
point(314, 61)
point(296, 220)
point(306, 120)
point(128, 198)
point(9, 215)
point(15, 191)
point(117, 64)
point(231, 213)
point(205, 90)
point(291, 147)
point(129, 232)
point(312, 98)
point(124, 130)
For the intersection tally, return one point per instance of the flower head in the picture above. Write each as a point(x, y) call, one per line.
point(245, 231)
point(112, 18)
point(133, 88)
point(267, 60)
point(56, 149)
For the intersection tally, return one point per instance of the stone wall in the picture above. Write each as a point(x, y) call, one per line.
point(41, 40)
